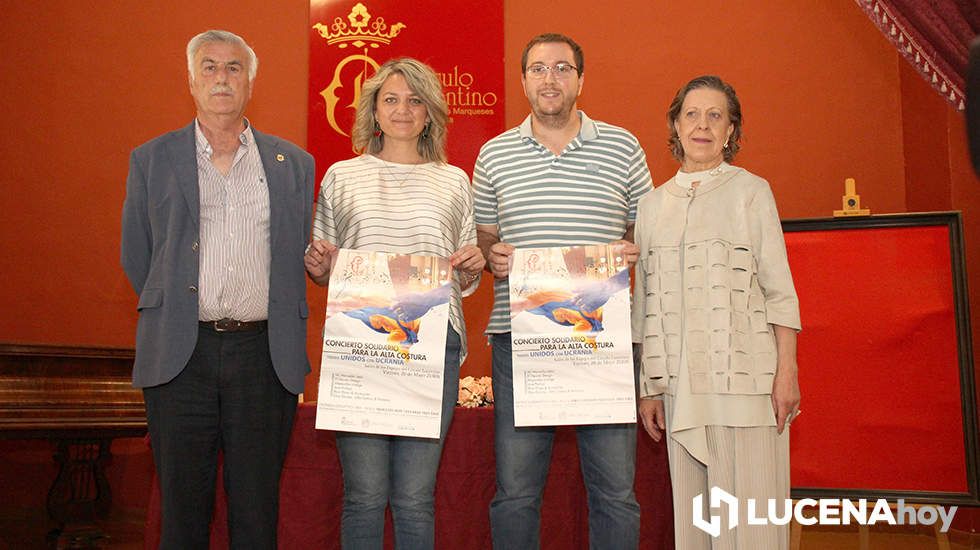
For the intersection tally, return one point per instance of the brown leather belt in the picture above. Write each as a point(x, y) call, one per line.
point(231, 325)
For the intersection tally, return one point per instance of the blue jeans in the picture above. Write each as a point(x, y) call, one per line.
point(608, 460)
point(383, 469)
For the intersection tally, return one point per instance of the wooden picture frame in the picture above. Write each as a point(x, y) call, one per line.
point(886, 360)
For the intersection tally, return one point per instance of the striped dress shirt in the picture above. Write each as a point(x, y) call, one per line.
point(234, 245)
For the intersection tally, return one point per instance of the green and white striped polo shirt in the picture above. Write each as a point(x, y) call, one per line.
point(585, 195)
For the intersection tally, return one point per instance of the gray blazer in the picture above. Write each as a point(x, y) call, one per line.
point(160, 233)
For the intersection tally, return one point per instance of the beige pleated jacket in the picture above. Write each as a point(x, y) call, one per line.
point(712, 278)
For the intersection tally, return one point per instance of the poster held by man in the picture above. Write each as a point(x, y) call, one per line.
point(570, 335)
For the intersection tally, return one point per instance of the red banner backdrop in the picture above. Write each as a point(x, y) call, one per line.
point(462, 40)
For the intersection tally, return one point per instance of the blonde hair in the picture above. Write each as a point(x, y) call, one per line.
point(422, 80)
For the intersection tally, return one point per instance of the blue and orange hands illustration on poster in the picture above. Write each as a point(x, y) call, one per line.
point(401, 320)
point(580, 309)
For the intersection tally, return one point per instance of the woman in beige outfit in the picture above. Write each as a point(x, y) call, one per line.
point(717, 315)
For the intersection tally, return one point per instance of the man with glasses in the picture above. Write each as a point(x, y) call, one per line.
point(558, 179)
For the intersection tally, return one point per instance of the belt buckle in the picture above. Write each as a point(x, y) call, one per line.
point(225, 325)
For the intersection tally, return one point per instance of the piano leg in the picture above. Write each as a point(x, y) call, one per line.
point(80, 494)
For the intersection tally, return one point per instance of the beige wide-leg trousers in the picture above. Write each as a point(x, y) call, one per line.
point(745, 462)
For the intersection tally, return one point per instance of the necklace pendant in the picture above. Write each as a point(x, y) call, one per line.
point(397, 179)
point(716, 171)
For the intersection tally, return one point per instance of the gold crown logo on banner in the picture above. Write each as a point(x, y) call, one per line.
point(362, 31)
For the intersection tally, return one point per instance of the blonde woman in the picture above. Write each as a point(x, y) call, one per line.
point(399, 196)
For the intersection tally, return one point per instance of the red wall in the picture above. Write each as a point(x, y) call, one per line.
point(84, 83)
point(825, 97)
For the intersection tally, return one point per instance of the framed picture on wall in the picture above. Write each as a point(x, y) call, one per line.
point(885, 358)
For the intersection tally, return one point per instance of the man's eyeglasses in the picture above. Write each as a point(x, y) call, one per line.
point(560, 70)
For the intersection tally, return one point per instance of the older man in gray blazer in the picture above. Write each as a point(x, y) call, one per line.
point(214, 227)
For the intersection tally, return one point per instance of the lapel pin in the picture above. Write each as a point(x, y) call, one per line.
point(280, 157)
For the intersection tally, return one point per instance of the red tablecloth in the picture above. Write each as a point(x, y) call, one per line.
point(312, 490)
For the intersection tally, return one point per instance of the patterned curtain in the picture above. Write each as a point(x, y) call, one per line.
point(934, 35)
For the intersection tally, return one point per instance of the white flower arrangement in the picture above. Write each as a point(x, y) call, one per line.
point(475, 392)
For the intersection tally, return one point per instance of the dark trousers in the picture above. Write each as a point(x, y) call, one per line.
point(228, 397)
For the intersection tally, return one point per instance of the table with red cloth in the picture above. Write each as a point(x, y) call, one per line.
point(312, 490)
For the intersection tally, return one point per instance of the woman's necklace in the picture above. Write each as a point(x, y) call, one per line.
point(396, 178)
